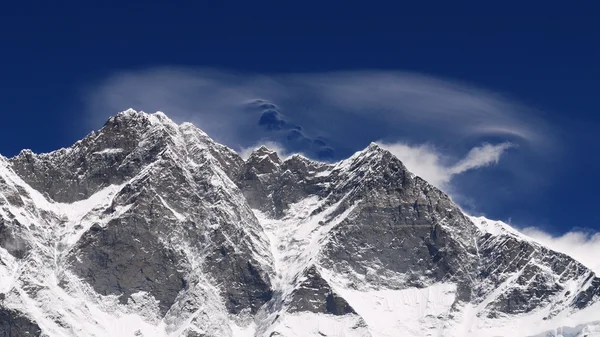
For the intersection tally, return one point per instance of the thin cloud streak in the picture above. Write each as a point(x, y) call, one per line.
point(484, 155)
point(428, 163)
point(422, 160)
point(379, 104)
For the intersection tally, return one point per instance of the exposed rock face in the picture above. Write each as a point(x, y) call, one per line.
point(149, 228)
point(271, 185)
point(315, 295)
point(142, 249)
point(11, 238)
point(538, 275)
point(13, 324)
point(401, 226)
point(125, 258)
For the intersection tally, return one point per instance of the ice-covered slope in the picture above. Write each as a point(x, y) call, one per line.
point(149, 228)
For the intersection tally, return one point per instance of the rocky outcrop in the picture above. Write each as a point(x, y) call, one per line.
point(314, 294)
point(14, 324)
point(271, 185)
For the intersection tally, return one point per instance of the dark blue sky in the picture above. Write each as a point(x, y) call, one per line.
point(542, 53)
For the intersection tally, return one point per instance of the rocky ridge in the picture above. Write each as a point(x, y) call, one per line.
point(149, 228)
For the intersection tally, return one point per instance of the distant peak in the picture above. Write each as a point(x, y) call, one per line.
point(298, 156)
point(374, 147)
point(135, 113)
point(263, 149)
point(26, 152)
point(264, 152)
point(161, 116)
point(372, 155)
point(130, 114)
point(187, 125)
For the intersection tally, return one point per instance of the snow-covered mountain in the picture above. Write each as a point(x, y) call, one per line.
point(149, 228)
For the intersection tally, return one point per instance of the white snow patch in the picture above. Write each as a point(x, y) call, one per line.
point(319, 325)
point(81, 215)
point(241, 331)
point(495, 227)
point(412, 311)
point(531, 325)
point(109, 151)
point(296, 239)
point(77, 210)
point(323, 174)
point(178, 215)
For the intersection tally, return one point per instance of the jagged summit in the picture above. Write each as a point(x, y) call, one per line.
point(128, 142)
point(371, 155)
point(132, 113)
point(263, 150)
point(262, 153)
point(136, 117)
point(374, 147)
point(149, 228)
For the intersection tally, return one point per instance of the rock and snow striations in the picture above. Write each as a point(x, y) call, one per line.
point(149, 228)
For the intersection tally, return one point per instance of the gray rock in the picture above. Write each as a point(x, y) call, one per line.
point(125, 258)
point(15, 324)
point(11, 238)
point(271, 185)
point(314, 294)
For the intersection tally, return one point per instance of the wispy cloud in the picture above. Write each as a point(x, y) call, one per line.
point(429, 163)
point(481, 156)
point(423, 160)
point(331, 115)
point(331, 108)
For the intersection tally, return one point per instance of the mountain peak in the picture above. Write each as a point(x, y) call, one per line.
point(125, 145)
point(373, 155)
point(374, 147)
point(264, 152)
point(134, 116)
point(263, 149)
point(129, 112)
point(159, 216)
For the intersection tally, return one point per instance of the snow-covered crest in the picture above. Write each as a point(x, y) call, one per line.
point(149, 228)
